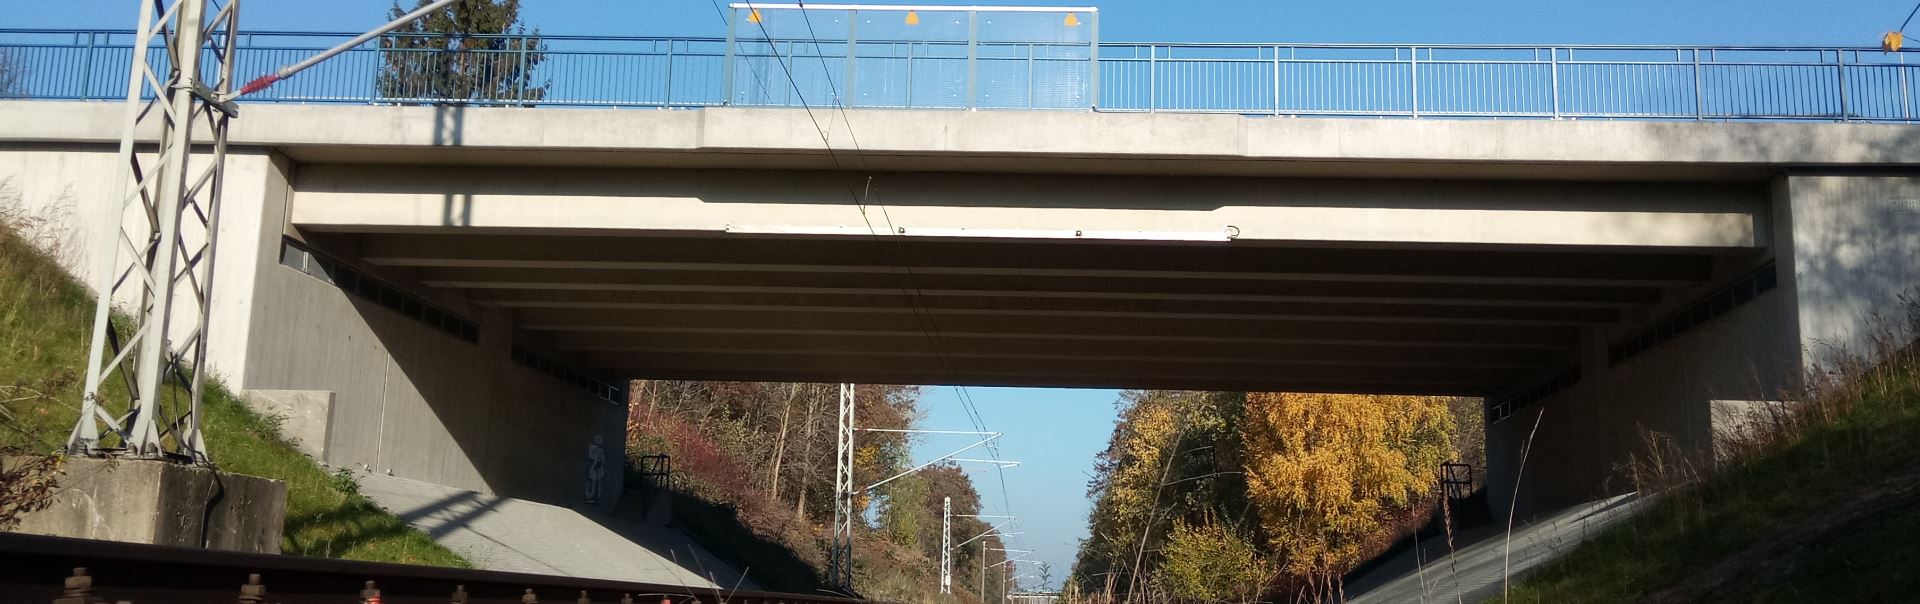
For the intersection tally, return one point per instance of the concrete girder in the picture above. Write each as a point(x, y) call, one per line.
point(1017, 285)
point(595, 343)
point(444, 199)
point(1156, 381)
point(747, 363)
point(1198, 330)
point(926, 256)
point(1111, 308)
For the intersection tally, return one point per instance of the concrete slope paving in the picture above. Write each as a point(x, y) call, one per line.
point(505, 534)
point(1426, 574)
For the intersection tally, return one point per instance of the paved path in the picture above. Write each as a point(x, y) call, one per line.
point(504, 534)
point(1480, 553)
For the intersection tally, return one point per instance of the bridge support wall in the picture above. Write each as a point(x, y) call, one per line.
point(1846, 257)
point(408, 399)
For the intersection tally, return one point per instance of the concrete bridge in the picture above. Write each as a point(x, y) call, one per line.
point(457, 294)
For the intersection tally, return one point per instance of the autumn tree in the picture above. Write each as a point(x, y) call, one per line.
point(903, 513)
point(766, 451)
point(1173, 456)
point(473, 50)
point(1325, 470)
point(1211, 562)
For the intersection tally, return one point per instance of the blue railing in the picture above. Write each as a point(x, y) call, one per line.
point(1607, 82)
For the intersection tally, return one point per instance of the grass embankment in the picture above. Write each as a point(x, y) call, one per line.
point(45, 318)
point(1827, 509)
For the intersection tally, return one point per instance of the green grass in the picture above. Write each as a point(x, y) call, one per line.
point(1872, 435)
point(45, 318)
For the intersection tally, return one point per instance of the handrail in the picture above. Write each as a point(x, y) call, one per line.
point(1117, 44)
point(1518, 81)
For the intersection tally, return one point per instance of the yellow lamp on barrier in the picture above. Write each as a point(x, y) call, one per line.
point(913, 18)
point(1072, 21)
point(1890, 42)
point(753, 16)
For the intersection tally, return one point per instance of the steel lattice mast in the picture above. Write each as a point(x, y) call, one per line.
point(159, 259)
point(946, 545)
point(840, 549)
point(155, 246)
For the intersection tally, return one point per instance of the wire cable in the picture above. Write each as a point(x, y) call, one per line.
point(861, 201)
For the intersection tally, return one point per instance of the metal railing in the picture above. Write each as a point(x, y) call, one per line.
point(1584, 82)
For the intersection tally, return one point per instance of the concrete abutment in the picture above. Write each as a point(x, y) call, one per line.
point(1844, 264)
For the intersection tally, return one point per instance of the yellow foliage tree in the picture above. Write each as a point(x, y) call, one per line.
point(1325, 470)
point(1210, 562)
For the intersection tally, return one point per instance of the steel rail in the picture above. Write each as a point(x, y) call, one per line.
point(33, 568)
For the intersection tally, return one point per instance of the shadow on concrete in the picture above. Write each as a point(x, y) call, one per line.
point(721, 535)
point(1065, 191)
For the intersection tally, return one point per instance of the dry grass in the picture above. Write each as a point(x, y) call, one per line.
point(1850, 429)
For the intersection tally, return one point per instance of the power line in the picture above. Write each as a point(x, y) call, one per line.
point(927, 326)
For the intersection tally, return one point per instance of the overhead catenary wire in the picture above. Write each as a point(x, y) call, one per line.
point(928, 328)
point(861, 200)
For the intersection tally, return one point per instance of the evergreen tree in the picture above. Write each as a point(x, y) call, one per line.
point(12, 72)
point(473, 50)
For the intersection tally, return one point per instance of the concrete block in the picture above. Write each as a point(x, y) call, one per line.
point(1735, 421)
point(163, 503)
point(306, 416)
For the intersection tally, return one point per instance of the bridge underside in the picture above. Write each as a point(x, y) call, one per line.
point(1628, 276)
point(917, 310)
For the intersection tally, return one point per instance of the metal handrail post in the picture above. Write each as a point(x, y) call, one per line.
point(1276, 80)
point(1029, 76)
point(727, 67)
point(1153, 77)
point(1840, 71)
point(1413, 61)
point(973, 55)
point(1699, 89)
point(86, 70)
point(1906, 103)
point(1093, 61)
point(853, 31)
point(521, 85)
point(668, 100)
point(1555, 77)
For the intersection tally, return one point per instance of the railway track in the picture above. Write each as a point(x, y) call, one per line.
point(41, 570)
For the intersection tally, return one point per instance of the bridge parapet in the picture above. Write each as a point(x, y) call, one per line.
point(766, 64)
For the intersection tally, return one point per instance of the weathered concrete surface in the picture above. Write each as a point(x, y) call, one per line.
point(506, 534)
point(411, 399)
point(1587, 430)
point(406, 396)
point(1856, 255)
point(63, 192)
point(1017, 141)
point(1258, 211)
point(305, 416)
point(163, 503)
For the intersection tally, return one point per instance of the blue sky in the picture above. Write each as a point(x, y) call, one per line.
point(1054, 434)
point(1057, 432)
point(1771, 22)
